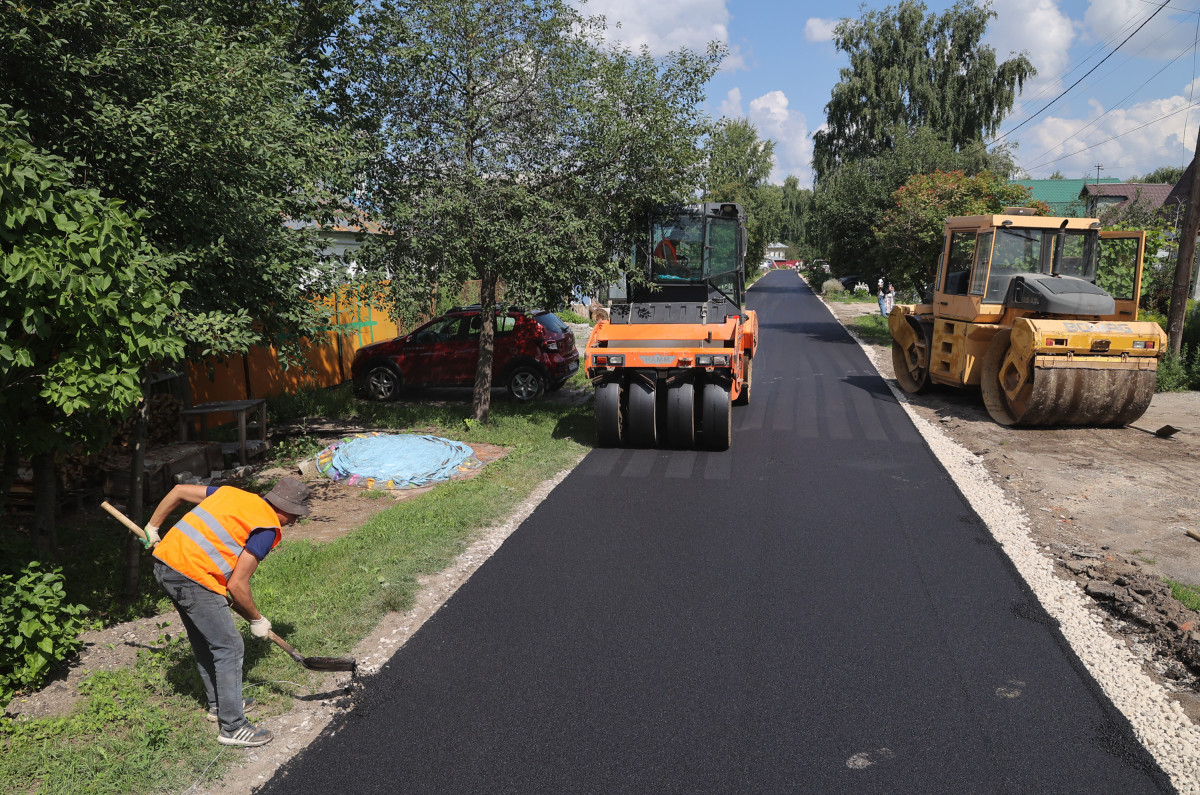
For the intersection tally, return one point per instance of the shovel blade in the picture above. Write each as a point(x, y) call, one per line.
point(330, 664)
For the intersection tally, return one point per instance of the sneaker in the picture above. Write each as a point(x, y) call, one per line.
point(248, 736)
point(247, 705)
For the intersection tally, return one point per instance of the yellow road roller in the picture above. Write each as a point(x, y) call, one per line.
point(1040, 313)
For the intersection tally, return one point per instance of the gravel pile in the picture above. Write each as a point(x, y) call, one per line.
point(1157, 719)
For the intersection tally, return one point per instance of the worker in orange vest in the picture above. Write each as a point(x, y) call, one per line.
point(204, 564)
point(667, 252)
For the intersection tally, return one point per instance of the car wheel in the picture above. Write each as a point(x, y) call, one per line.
point(525, 384)
point(382, 382)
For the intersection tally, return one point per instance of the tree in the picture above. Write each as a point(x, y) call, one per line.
point(203, 118)
point(911, 233)
point(910, 69)
point(1168, 175)
point(796, 203)
point(219, 143)
point(737, 166)
point(849, 203)
point(84, 304)
point(507, 143)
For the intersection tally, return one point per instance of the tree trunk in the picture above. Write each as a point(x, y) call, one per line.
point(8, 474)
point(45, 494)
point(1177, 312)
point(482, 397)
point(133, 510)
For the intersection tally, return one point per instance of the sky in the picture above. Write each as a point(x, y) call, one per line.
point(1137, 110)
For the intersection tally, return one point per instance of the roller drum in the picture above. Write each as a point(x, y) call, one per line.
point(1018, 392)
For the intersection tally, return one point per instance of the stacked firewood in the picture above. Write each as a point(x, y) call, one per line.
point(162, 425)
point(76, 468)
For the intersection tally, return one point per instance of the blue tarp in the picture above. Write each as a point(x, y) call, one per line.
point(395, 461)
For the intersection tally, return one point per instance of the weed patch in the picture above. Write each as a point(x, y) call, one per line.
point(873, 328)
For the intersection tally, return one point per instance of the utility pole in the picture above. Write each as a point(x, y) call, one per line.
point(1177, 313)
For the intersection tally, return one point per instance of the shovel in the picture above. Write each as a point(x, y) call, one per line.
point(312, 663)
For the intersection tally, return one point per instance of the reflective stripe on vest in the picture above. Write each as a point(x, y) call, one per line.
point(209, 549)
point(205, 544)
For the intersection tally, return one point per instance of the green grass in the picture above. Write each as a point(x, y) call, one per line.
point(1187, 594)
point(141, 730)
point(137, 730)
point(873, 328)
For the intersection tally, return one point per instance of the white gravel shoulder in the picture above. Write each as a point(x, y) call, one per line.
point(1158, 720)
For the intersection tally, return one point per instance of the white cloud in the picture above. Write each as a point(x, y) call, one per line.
point(789, 130)
point(731, 106)
point(665, 25)
point(817, 29)
point(1044, 33)
point(1109, 22)
point(1157, 132)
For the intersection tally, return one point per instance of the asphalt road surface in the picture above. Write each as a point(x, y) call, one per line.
point(815, 610)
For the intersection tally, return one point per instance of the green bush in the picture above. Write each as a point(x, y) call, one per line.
point(832, 286)
point(567, 316)
point(814, 272)
point(1179, 372)
point(38, 628)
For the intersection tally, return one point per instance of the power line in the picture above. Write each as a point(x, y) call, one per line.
point(1080, 80)
point(1080, 62)
point(1118, 135)
point(1121, 101)
point(1191, 87)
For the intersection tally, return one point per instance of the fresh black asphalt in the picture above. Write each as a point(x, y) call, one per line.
point(816, 610)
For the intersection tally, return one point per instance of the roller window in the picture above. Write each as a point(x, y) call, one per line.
point(958, 266)
point(983, 253)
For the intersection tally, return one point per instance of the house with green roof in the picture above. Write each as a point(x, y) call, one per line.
point(1062, 194)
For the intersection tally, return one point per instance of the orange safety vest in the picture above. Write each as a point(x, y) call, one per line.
point(666, 250)
point(205, 544)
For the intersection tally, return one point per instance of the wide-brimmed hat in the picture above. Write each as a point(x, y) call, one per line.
point(290, 496)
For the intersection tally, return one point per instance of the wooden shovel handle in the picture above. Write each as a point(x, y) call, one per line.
point(283, 644)
point(125, 520)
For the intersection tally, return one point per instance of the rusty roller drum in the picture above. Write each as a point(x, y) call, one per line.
point(911, 343)
point(1020, 388)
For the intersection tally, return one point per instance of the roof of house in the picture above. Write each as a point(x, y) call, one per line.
point(1059, 191)
point(1147, 194)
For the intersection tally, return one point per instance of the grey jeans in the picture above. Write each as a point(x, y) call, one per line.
point(215, 640)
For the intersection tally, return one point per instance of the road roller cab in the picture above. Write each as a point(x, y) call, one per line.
point(1041, 313)
point(671, 362)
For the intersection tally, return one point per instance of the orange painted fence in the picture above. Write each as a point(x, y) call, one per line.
point(259, 373)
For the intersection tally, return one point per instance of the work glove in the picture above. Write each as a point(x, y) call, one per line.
point(151, 538)
point(259, 627)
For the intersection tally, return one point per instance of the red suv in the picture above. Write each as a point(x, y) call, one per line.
point(534, 352)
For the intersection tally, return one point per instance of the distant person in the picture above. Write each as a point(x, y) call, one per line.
point(889, 300)
point(204, 564)
point(882, 297)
